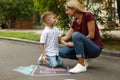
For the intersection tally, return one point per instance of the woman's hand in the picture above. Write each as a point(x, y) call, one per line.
point(63, 41)
point(70, 44)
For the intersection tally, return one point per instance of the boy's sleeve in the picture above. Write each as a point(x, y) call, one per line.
point(59, 34)
point(43, 37)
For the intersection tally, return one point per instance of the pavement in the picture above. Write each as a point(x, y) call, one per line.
point(18, 53)
point(38, 31)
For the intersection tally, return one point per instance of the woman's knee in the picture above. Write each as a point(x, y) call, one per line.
point(76, 35)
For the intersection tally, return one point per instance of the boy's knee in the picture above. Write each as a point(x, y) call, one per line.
point(54, 65)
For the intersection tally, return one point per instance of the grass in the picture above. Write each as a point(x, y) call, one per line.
point(108, 44)
point(21, 35)
point(112, 44)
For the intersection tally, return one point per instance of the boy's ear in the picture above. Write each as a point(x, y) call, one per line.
point(47, 20)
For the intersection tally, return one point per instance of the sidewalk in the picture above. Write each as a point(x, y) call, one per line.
point(38, 31)
point(105, 52)
point(115, 33)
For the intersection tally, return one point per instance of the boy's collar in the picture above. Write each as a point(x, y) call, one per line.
point(49, 27)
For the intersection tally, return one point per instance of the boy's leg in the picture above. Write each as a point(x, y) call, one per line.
point(59, 60)
point(52, 61)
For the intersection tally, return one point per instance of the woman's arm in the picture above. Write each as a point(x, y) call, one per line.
point(63, 40)
point(91, 29)
point(69, 34)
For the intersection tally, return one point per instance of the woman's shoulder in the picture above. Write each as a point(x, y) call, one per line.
point(88, 13)
point(89, 16)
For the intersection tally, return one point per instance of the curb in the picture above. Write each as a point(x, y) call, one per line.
point(21, 40)
point(111, 53)
point(104, 51)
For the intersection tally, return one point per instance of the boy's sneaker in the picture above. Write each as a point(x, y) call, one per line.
point(87, 62)
point(78, 68)
point(40, 61)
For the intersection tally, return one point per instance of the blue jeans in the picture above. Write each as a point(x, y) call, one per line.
point(83, 47)
point(54, 61)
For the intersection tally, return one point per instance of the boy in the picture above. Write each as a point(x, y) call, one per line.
point(49, 41)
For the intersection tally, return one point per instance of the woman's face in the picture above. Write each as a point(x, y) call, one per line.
point(69, 12)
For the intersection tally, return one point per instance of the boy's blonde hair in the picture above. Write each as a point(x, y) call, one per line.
point(45, 15)
point(76, 5)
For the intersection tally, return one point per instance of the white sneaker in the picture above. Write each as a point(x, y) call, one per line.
point(40, 61)
point(87, 62)
point(78, 68)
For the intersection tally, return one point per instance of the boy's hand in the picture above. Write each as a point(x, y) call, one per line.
point(44, 59)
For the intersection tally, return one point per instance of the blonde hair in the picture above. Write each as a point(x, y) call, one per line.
point(45, 15)
point(76, 5)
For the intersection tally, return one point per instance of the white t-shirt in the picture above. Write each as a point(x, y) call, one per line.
point(50, 39)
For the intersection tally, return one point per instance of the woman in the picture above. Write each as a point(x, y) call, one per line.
point(86, 42)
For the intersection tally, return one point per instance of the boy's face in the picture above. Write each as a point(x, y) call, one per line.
point(51, 19)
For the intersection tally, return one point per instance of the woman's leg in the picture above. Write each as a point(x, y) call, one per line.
point(84, 47)
point(67, 52)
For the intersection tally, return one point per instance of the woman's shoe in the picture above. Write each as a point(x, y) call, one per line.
point(78, 68)
point(87, 62)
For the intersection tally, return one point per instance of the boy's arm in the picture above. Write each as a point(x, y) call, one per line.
point(43, 52)
point(42, 48)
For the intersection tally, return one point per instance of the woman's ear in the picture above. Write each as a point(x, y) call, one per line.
point(74, 11)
